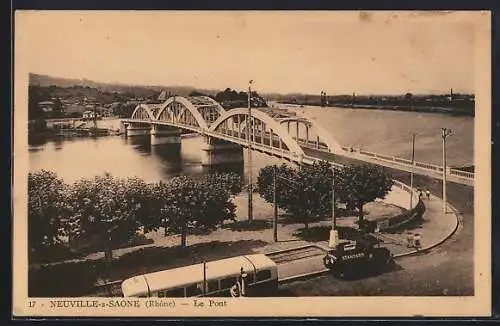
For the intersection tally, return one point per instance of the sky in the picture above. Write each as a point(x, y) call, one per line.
point(336, 52)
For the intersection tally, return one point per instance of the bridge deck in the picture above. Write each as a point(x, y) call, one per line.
point(314, 152)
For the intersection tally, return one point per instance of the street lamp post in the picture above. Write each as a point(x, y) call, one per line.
point(249, 143)
point(445, 132)
point(412, 167)
point(275, 204)
point(333, 231)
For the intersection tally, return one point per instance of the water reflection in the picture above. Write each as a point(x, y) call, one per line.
point(58, 144)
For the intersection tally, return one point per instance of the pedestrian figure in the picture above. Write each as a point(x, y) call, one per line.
point(409, 240)
point(428, 194)
point(416, 241)
point(420, 194)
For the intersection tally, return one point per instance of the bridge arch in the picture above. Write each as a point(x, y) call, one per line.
point(143, 112)
point(321, 132)
point(216, 104)
point(266, 121)
point(175, 116)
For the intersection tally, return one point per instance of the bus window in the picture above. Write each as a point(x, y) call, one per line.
point(263, 275)
point(227, 282)
point(175, 293)
point(193, 290)
point(212, 286)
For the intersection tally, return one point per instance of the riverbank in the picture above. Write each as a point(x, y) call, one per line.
point(418, 109)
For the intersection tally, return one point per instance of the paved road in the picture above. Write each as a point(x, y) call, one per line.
point(446, 270)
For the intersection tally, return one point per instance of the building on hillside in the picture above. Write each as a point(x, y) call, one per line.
point(47, 107)
point(105, 111)
point(90, 114)
point(74, 110)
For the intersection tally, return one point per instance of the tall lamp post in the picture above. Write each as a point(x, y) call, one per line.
point(445, 132)
point(412, 167)
point(275, 207)
point(333, 231)
point(249, 143)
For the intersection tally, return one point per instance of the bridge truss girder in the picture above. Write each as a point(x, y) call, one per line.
point(265, 132)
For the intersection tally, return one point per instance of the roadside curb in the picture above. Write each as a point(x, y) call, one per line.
point(458, 218)
point(302, 276)
point(292, 249)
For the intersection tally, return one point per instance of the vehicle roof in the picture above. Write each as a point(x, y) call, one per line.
point(182, 276)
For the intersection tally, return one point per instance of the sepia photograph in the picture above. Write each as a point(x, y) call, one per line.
point(252, 163)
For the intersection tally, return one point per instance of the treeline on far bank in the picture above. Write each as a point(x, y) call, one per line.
point(455, 104)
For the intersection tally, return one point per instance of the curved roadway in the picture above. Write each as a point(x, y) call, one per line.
point(446, 270)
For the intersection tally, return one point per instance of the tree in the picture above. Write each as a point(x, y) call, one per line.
point(48, 211)
point(195, 204)
point(108, 209)
point(362, 184)
point(34, 97)
point(305, 194)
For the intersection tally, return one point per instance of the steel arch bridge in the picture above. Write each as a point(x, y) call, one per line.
point(276, 132)
point(266, 129)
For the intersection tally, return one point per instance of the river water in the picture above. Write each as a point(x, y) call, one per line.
point(379, 131)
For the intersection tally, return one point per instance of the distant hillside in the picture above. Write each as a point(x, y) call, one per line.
point(47, 81)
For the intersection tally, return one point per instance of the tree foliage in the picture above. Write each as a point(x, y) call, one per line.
point(48, 211)
point(109, 208)
point(108, 211)
point(362, 184)
point(230, 98)
point(306, 193)
point(196, 204)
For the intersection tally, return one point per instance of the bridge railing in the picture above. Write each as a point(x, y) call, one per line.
point(408, 163)
point(387, 158)
point(464, 174)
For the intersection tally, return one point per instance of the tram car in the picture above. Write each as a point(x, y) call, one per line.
point(218, 278)
point(355, 257)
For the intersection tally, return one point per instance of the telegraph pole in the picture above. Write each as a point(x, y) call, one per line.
point(249, 142)
point(412, 167)
point(445, 132)
point(204, 276)
point(333, 231)
point(275, 217)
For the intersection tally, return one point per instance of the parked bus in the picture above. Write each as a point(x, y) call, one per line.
point(260, 279)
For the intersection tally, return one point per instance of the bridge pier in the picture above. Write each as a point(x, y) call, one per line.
point(135, 129)
point(217, 151)
point(161, 135)
point(123, 127)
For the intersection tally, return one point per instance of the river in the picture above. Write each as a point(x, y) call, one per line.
point(379, 131)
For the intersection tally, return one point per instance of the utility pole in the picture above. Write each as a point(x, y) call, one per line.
point(249, 142)
point(275, 217)
point(445, 132)
point(333, 231)
point(412, 167)
point(204, 276)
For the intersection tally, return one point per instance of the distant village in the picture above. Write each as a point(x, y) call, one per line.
point(453, 103)
point(56, 107)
